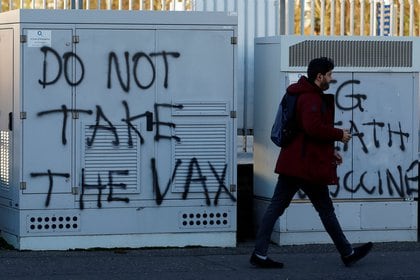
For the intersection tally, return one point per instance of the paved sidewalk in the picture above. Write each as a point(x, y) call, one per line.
point(400, 260)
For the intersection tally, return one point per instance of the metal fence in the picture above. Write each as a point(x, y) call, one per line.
point(161, 5)
point(309, 17)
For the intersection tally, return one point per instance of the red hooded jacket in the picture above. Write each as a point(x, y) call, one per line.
point(310, 156)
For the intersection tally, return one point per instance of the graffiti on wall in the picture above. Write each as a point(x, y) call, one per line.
point(369, 137)
point(396, 179)
point(126, 71)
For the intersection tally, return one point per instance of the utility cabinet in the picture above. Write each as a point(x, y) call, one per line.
point(376, 88)
point(117, 129)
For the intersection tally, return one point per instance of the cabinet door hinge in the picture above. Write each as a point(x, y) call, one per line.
point(75, 115)
point(232, 188)
point(23, 39)
point(234, 40)
point(75, 39)
point(75, 190)
point(233, 114)
point(22, 115)
point(22, 185)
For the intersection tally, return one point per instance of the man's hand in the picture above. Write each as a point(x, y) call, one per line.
point(338, 157)
point(346, 136)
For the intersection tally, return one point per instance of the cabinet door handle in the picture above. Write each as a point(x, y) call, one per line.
point(10, 121)
point(149, 121)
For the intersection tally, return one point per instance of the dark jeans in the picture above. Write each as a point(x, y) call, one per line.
point(286, 188)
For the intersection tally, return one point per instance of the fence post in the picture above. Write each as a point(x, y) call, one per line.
point(411, 17)
point(351, 17)
point(342, 16)
point(276, 18)
point(332, 21)
point(362, 17)
point(322, 23)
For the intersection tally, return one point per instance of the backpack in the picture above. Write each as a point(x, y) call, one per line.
point(285, 127)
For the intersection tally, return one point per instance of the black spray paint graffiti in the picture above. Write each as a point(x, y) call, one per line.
point(125, 72)
point(100, 187)
point(66, 113)
point(109, 126)
point(128, 120)
point(112, 60)
point(357, 101)
point(193, 165)
point(194, 175)
point(51, 176)
point(156, 188)
point(159, 123)
point(390, 182)
point(399, 183)
point(357, 97)
point(358, 135)
point(60, 63)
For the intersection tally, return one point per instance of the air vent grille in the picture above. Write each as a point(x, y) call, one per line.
point(43, 223)
point(202, 109)
point(103, 159)
point(205, 219)
point(5, 159)
point(201, 144)
point(354, 53)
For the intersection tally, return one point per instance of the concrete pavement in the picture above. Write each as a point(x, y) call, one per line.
point(399, 260)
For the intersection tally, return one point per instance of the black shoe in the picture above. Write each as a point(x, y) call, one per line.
point(358, 254)
point(264, 263)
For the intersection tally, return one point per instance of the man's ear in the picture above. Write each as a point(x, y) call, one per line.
point(318, 77)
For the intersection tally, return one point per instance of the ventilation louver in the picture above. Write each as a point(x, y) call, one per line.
point(353, 53)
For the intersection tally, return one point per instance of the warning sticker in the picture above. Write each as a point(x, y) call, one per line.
point(39, 38)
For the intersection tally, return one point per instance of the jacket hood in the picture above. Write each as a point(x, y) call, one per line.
point(303, 85)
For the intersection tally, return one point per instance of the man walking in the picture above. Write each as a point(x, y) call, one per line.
point(309, 163)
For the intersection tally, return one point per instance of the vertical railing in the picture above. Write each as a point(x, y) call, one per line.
point(352, 17)
point(362, 15)
point(342, 16)
point(163, 5)
point(312, 18)
point(357, 17)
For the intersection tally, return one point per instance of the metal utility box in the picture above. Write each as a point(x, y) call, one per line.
point(376, 90)
point(117, 129)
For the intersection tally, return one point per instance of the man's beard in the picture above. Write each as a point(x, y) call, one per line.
point(324, 85)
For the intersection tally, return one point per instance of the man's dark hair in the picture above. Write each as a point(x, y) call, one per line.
point(319, 65)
